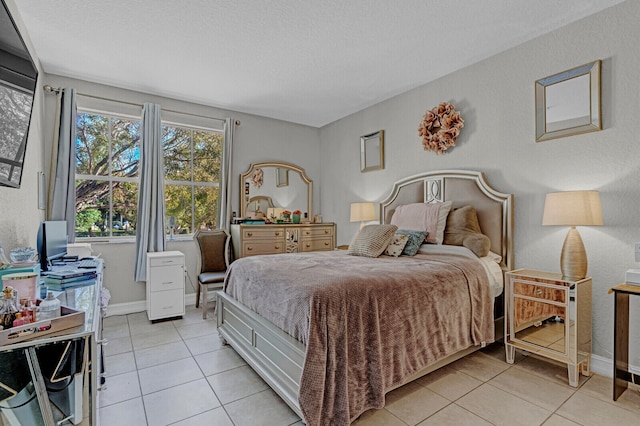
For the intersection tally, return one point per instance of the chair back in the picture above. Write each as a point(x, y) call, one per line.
point(214, 248)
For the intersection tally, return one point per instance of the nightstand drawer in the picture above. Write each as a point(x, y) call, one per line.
point(166, 278)
point(262, 233)
point(165, 261)
point(521, 288)
point(167, 304)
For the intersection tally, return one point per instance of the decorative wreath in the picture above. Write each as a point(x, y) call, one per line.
point(440, 128)
point(256, 177)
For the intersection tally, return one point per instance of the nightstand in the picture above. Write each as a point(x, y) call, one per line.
point(549, 316)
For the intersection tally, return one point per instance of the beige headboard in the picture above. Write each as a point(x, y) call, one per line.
point(461, 187)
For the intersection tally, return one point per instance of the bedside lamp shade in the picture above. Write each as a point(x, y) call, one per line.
point(573, 208)
point(362, 212)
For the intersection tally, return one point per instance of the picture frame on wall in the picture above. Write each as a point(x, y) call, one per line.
point(372, 151)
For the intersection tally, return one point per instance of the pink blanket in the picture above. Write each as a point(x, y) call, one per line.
point(369, 324)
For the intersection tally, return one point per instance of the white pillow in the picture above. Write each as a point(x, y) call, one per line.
point(430, 217)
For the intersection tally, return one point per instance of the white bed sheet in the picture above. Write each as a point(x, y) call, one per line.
point(490, 263)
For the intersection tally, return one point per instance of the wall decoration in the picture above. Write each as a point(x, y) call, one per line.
point(440, 128)
point(568, 103)
point(372, 151)
point(257, 177)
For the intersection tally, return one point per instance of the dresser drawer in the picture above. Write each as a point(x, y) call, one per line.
point(165, 261)
point(539, 292)
point(166, 304)
point(253, 248)
point(317, 244)
point(317, 231)
point(262, 233)
point(166, 278)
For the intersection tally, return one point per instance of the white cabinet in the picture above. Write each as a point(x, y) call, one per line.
point(165, 284)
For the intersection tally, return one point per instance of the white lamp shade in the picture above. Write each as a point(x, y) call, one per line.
point(572, 208)
point(362, 212)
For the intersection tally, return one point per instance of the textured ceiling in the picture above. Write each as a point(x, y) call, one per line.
point(304, 61)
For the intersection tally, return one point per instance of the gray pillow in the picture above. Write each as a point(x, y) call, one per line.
point(416, 238)
point(372, 240)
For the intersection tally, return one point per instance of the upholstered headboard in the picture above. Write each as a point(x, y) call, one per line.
point(461, 187)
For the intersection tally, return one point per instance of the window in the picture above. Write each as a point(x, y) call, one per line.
point(107, 175)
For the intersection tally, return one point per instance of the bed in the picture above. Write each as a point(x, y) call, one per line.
point(332, 352)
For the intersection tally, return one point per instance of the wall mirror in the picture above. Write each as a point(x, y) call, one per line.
point(372, 151)
point(568, 103)
point(18, 76)
point(261, 188)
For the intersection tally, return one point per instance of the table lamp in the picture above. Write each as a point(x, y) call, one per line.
point(573, 208)
point(362, 212)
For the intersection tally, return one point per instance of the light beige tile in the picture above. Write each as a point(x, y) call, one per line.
point(261, 409)
point(454, 415)
point(556, 420)
point(130, 412)
point(163, 376)
point(162, 353)
point(219, 361)
point(199, 346)
point(481, 366)
point(378, 418)
point(234, 384)
point(589, 411)
point(120, 363)
point(117, 332)
point(548, 369)
point(205, 330)
point(120, 388)
point(602, 388)
point(413, 403)
point(215, 417)
point(117, 346)
point(144, 326)
point(149, 339)
point(179, 402)
point(532, 388)
point(501, 408)
point(192, 315)
point(450, 383)
point(115, 321)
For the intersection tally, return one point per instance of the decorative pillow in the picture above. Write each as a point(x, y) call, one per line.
point(372, 240)
point(416, 238)
point(463, 229)
point(431, 217)
point(397, 244)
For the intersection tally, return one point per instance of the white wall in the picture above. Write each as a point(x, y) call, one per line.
point(496, 99)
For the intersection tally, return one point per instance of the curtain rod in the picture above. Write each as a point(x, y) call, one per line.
point(49, 89)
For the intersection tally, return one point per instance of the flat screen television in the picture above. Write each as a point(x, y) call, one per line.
point(52, 242)
point(18, 77)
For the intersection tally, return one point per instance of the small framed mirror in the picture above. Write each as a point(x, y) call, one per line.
point(372, 151)
point(282, 177)
point(568, 103)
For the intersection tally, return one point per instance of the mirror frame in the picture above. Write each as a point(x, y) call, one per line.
point(289, 167)
point(368, 146)
point(591, 69)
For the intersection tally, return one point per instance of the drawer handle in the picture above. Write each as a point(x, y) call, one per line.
point(167, 261)
point(167, 282)
point(167, 307)
point(276, 247)
point(307, 233)
point(249, 234)
point(249, 248)
point(326, 243)
point(538, 291)
point(307, 245)
point(326, 231)
point(277, 234)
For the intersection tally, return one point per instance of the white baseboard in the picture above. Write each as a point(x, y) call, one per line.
point(604, 366)
point(141, 305)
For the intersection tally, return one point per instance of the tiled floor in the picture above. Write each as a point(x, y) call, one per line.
point(178, 373)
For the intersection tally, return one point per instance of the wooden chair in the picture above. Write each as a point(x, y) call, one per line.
point(214, 248)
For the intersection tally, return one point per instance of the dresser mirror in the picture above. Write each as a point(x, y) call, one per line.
point(263, 186)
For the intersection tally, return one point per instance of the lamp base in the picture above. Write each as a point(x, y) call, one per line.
point(573, 260)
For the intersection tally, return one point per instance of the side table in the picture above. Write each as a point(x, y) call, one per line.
point(621, 374)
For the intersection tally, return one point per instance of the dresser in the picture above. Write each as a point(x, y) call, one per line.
point(549, 316)
point(165, 284)
point(251, 240)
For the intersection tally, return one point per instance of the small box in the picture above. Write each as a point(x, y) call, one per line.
point(632, 276)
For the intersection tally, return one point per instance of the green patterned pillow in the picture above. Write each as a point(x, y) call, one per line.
point(416, 238)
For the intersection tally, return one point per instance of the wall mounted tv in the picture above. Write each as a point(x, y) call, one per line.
point(18, 77)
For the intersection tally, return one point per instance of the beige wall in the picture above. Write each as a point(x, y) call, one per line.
point(496, 100)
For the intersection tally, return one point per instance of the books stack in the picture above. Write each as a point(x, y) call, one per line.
point(60, 280)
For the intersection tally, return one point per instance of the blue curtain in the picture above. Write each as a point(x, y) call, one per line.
point(62, 188)
point(150, 226)
point(224, 200)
